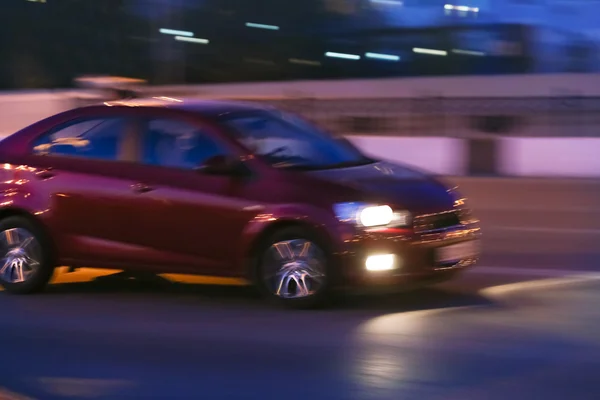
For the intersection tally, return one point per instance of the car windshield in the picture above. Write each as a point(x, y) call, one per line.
point(287, 141)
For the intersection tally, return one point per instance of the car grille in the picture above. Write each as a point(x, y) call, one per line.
point(437, 222)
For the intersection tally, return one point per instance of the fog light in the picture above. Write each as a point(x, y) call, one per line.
point(381, 262)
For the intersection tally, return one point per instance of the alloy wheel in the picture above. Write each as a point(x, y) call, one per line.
point(294, 269)
point(21, 255)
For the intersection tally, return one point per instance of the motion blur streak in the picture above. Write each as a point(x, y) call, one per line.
point(82, 388)
point(411, 323)
point(8, 395)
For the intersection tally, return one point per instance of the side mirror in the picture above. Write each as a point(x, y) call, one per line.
point(222, 165)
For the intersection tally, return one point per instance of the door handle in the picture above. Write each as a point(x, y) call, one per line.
point(45, 173)
point(141, 188)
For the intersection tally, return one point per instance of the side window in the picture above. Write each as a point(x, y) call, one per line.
point(92, 138)
point(177, 144)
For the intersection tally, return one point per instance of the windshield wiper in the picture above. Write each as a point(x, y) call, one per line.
point(347, 164)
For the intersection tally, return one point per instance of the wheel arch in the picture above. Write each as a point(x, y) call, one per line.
point(9, 212)
point(261, 237)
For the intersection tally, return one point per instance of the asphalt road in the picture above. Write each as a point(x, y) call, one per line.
point(522, 325)
point(493, 334)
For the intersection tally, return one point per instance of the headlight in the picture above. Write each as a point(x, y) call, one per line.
point(370, 215)
point(375, 215)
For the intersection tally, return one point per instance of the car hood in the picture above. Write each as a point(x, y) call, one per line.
point(392, 183)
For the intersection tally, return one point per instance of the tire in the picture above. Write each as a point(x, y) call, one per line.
point(302, 280)
point(24, 247)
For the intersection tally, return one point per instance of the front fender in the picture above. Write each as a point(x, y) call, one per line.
point(22, 200)
point(320, 221)
point(15, 190)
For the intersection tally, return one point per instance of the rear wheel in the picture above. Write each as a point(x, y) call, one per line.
point(26, 264)
point(294, 269)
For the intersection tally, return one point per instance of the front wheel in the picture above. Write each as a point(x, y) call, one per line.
point(294, 269)
point(26, 265)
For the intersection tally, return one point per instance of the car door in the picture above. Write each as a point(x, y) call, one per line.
point(82, 168)
point(189, 221)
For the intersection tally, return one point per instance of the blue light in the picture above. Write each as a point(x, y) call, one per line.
point(386, 57)
point(342, 55)
point(191, 39)
point(347, 212)
point(176, 32)
point(262, 26)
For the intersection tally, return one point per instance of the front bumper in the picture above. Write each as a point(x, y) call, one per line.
point(417, 256)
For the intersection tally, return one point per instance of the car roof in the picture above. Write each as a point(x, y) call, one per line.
point(211, 108)
point(18, 143)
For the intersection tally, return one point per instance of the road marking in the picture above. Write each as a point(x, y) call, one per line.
point(503, 290)
point(570, 231)
point(85, 275)
point(544, 272)
point(410, 323)
point(88, 274)
point(205, 280)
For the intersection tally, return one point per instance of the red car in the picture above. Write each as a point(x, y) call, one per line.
point(225, 189)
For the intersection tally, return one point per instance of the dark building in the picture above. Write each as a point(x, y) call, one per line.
point(48, 44)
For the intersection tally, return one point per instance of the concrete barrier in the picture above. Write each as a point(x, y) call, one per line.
point(515, 157)
point(17, 110)
point(465, 152)
point(444, 156)
point(549, 157)
point(522, 85)
point(551, 221)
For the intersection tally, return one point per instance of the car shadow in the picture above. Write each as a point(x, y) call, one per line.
point(432, 297)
